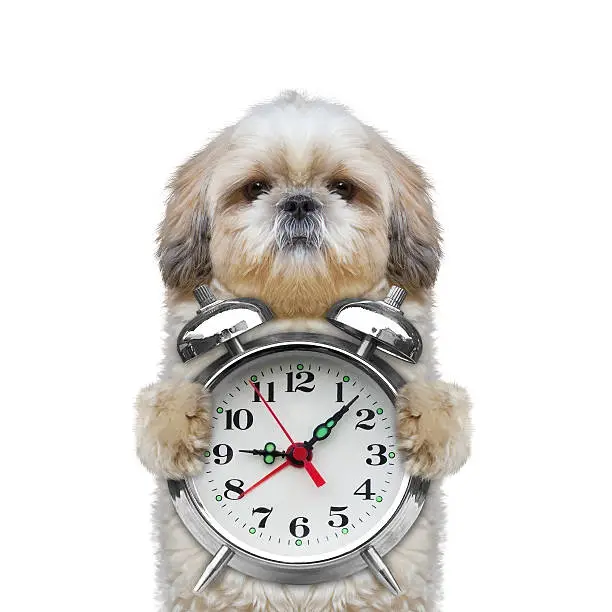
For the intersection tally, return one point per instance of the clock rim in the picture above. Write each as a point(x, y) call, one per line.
point(341, 563)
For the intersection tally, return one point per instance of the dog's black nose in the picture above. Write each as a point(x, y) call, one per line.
point(299, 205)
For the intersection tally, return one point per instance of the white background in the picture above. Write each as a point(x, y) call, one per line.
point(506, 104)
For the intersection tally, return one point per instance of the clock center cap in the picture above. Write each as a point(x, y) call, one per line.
point(298, 453)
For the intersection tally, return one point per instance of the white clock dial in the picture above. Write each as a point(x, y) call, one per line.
point(287, 517)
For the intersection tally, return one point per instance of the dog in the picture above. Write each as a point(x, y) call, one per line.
point(299, 204)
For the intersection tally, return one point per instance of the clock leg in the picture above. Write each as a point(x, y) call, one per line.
point(217, 563)
point(380, 570)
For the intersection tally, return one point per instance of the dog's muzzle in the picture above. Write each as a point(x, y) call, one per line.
point(299, 223)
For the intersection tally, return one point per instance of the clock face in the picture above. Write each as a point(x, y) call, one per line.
point(272, 416)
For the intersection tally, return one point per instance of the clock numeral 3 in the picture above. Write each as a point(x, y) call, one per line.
point(380, 454)
point(233, 488)
point(224, 453)
point(266, 512)
point(337, 511)
point(270, 396)
point(299, 530)
point(241, 419)
point(367, 490)
point(369, 416)
point(301, 386)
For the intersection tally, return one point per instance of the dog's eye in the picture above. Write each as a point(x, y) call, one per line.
point(253, 190)
point(344, 189)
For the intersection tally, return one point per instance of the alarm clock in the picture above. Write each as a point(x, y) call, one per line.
point(303, 480)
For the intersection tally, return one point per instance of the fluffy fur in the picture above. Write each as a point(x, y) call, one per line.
point(227, 223)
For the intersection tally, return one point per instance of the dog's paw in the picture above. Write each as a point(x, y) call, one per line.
point(173, 427)
point(433, 427)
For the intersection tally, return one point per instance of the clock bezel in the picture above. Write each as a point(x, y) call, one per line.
point(345, 561)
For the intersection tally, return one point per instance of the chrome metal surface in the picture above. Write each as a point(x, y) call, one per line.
point(219, 321)
point(217, 563)
point(380, 570)
point(380, 320)
point(204, 295)
point(346, 561)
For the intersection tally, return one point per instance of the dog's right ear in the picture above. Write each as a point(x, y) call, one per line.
point(184, 234)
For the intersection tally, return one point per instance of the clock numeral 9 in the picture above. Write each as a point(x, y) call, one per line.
point(302, 385)
point(380, 454)
point(369, 416)
point(266, 512)
point(367, 490)
point(241, 419)
point(337, 511)
point(269, 398)
point(224, 453)
point(302, 528)
point(233, 488)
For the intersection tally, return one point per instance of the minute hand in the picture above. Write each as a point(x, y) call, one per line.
point(322, 430)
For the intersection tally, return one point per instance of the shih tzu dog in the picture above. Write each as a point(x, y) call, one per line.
point(299, 204)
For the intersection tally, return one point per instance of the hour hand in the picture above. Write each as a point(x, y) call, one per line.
point(269, 452)
point(322, 430)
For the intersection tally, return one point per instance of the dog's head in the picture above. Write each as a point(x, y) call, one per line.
point(299, 204)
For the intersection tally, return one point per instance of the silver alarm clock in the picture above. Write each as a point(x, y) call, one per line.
point(302, 482)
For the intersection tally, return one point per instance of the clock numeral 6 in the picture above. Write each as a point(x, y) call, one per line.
point(337, 511)
point(367, 490)
point(224, 453)
point(266, 512)
point(369, 416)
point(309, 377)
point(303, 529)
point(381, 459)
point(233, 488)
point(241, 419)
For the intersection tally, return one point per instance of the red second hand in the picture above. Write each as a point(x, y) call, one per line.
point(282, 466)
point(308, 466)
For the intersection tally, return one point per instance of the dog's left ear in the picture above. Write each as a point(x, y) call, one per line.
point(414, 234)
point(184, 234)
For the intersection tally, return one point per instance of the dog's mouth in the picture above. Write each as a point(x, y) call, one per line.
point(302, 234)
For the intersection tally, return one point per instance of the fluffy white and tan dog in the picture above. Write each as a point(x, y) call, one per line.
point(300, 205)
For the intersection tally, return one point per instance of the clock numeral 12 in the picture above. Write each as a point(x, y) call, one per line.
point(301, 386)
point(269, 398)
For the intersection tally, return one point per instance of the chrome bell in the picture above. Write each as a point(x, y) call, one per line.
point(220, 322)
point(379, 324)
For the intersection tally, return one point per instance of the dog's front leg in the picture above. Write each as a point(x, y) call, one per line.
point(433, 427)
point(172, 427)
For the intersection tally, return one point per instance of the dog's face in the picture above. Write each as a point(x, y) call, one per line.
point(299, 204)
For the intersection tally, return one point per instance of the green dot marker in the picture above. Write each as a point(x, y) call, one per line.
point(321, 432)
point(346, 378)
point(219, 410)
point(270, 447)
point(300, 366)
point(379, 411)
point(298, 542)
point(218, 498)
point(378, 498)
point(391, 455)
point(254, 378)
point(207, 453)
point(344, 530)
point(269, 459)
point(252, 530)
